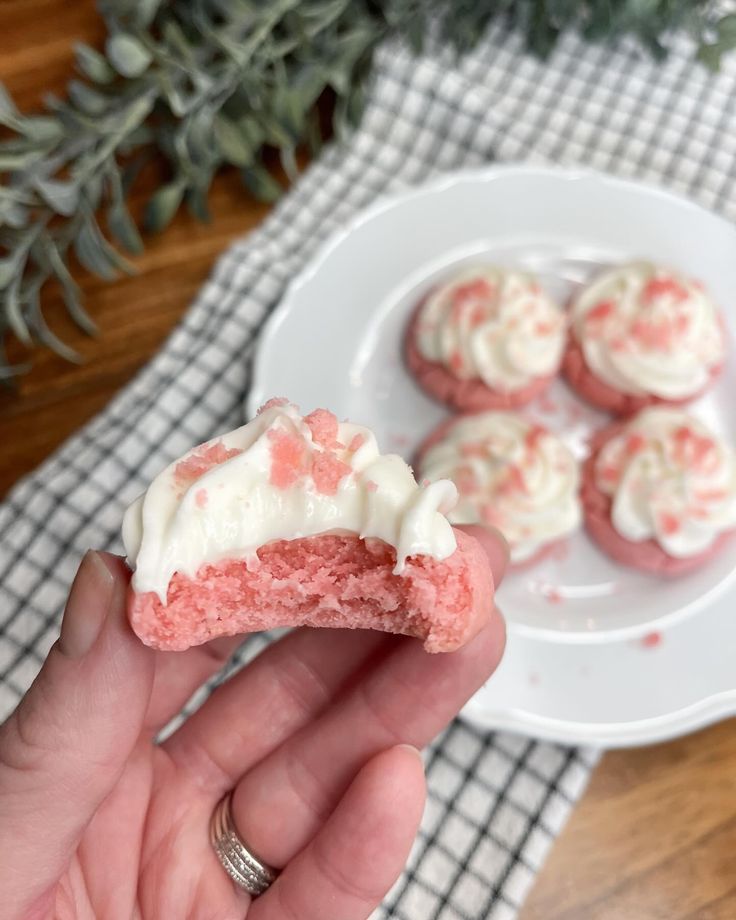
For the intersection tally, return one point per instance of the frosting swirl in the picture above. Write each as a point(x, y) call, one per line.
point(512, 474)
point(648, 331)
point(494, 324)
point(281, 477)
point(670, 479)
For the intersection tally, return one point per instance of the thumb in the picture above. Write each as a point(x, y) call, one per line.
point(65, 746)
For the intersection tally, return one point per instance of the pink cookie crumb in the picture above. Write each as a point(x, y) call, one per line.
point(201, 460)
point(276, 402)
point(323, 425)
point(200, 498)
point(288, 458)
point(356, 442)
point(651, 640)
point(326, 581)
point(328, 472)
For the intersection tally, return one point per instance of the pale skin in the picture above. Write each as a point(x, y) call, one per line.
point(318, 737)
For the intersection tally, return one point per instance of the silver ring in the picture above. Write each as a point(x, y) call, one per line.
point(245, 869)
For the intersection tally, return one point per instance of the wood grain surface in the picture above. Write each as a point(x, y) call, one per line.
point(654, 838)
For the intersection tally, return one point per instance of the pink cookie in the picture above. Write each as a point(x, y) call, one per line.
point(600, 394)
point(645, 555)
point(325, 581)
point(642, 335)
point(466, 395)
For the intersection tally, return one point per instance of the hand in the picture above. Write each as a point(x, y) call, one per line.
point(97, 821)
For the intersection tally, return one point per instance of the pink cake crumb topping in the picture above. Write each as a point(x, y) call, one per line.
point(201, 460)
point(200, 498)
point(276, 402)
point(326, 581)
point(357, 441)
point(288, 458)
point(323, 425)
point(328, 472)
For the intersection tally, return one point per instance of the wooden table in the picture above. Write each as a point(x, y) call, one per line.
point(655, 836)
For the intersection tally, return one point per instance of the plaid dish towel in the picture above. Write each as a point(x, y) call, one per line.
point(496, 801)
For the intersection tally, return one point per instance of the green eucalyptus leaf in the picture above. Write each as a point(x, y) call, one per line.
point(197, 203)
point(9, 114)
point(61, 195)
point(93, 64)
point(70, 290)
point(163, 205)
point(13, 310)
point(91, 255)
point(41, 129)
point(122, 228)
point(127, 54)
point(90, 101)
point(232, 141)
point(42, 331)
point(261, 184)
point(145, 12)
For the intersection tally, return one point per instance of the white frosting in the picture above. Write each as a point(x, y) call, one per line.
point(512, 474)
point(494, 324)
point(671, 480)
point(648, 331)
point(184, 520)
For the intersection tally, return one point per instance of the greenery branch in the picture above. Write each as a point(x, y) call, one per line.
point(212, 83)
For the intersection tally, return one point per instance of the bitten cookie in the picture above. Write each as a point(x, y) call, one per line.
point(292, 521)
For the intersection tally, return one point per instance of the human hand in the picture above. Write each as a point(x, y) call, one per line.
point(97, 821)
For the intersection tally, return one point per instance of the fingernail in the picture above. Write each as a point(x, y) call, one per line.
point(87, 607)
point(411, 749)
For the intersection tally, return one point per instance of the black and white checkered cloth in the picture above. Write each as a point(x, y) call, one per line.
point(496, 801)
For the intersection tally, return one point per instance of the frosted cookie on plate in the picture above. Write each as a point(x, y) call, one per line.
point(659, 491)
point(510, 473)
point(641, 335)
point(486, 338)
point(292, 521)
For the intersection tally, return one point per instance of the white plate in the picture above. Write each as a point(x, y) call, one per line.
point(335, 340)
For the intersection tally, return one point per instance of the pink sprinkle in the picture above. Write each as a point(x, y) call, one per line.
point(425, 483)
point(553, 595)
point(544, 328)
point(288, 459)
point(651, 640)
point(371, 486)
point(456, 361)
point(200, 498)
point(201, 460)
point(323, 425)
point(635, 443)
point(601, 311)
point(478, 316)
point(327, 472)
point(275, 403)
point(662, 287)
point(711, 495)
point(534, 436)
point(514, 482)
point(692, 450)
point(356, 443)
point(473, 290)
point(668, 523)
